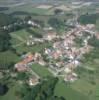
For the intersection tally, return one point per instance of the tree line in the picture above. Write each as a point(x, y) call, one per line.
point(42, 91)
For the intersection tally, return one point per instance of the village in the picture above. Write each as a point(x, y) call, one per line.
point(49, 50)
point(63, 57)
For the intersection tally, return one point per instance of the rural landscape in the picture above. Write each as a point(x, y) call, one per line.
point(49, 49)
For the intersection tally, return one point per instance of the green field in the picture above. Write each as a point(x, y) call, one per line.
point(8, 56)
point(36, 48)
point(68, 92)
point(15, 41)
point(83, 86)
point(42, 71)
point(21, 33)
point(19, 42)
point(28, 8)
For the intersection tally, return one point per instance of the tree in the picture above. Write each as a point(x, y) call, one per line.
point(6, 19)
point(97, 24)
point(3, 89)
point(94, 42)
point(4, 40)
point(22, 76)
point(56, 23)
point(43, 91)
point(22, 91)
point(88, 18)
point(58, 11)
point(32, 94)
point(57, 98)
point(27, 18)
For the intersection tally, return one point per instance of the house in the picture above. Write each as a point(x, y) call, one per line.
point(33, 80)
point(21, 67)
point(56, 54)
point(41, 62)
point(50, 36)
point(97, 35)
point(71, 77)
point(48, 28)
point(29, 57)
point(30, 22)
point(30, 43)
point(67, 70)
point(90, 26)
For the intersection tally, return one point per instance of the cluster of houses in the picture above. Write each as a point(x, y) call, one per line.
point(32, 23)
point(64, 56)
point(49, 36)
point(33, 40)
point(21, 23)
point(25, 65)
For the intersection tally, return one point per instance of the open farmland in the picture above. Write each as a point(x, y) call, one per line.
point(27, 8)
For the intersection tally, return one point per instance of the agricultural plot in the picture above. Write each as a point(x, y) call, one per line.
point(83, 86)
point(14, 41)
point(27, 8)
point(36, 48)
point(20, 38)
point(8, 56)
point(68, 92)
point(22, 34)
point(7, 59)
point(42, 71)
